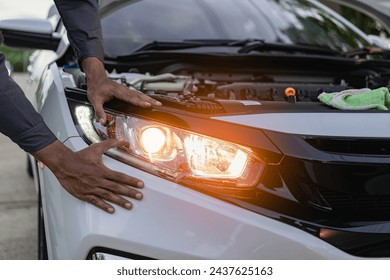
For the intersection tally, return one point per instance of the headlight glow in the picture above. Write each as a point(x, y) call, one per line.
point(174, 153)
point(153, 140)
point(209, 157)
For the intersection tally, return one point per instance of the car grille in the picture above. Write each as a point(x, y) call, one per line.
point(352, 146)
point(369, 205)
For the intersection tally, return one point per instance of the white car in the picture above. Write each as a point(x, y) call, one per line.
point(242, 161)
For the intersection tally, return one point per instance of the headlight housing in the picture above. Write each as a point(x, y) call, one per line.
point(173, 153)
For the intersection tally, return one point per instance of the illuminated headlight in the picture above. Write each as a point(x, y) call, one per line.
point(174, 153)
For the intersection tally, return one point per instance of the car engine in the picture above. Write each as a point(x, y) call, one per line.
point(199, 91)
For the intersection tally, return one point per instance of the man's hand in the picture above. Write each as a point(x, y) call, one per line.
point(101, 89)
point(84, 175)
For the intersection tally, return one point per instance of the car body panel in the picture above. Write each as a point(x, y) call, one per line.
point(319, 124)
point(294, 211)
point(50, 99)
point(171, 222)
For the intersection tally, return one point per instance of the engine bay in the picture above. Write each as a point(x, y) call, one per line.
point(208, 91)
point(232, 88)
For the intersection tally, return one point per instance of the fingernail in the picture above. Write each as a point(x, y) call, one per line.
point(140, 184)
point(128, 206)
point(102, 121)
point(158, 103)
point(111, 210)
point(138, 196)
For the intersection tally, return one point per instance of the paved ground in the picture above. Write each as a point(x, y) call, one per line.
point(18, 202)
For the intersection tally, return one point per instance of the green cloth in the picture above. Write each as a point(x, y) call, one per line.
point(358, 99)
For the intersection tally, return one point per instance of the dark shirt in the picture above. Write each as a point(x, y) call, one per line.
point(82, 21)
point(18, 119)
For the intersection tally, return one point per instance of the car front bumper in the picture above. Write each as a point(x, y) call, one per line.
point(171, 222)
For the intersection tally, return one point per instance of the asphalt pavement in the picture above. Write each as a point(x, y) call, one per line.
point(18, 201)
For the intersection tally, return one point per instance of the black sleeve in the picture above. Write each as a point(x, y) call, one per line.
point(82, 21)
point(18, 118)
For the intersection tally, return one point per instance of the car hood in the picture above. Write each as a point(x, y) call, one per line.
point(327, 124)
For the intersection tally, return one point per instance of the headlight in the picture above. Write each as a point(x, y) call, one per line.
point(176, 154)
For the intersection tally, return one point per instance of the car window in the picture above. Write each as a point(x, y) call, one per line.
point(129, 24)
point(363, 20)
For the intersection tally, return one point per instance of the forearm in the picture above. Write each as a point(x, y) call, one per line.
point(18, 118)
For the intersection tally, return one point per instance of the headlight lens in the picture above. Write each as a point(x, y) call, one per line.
point(174, 153)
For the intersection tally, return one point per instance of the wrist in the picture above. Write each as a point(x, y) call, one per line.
point(54, 155)
point(94, 69)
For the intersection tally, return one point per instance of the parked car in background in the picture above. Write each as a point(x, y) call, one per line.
point(242, 161)
point(9, 67)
